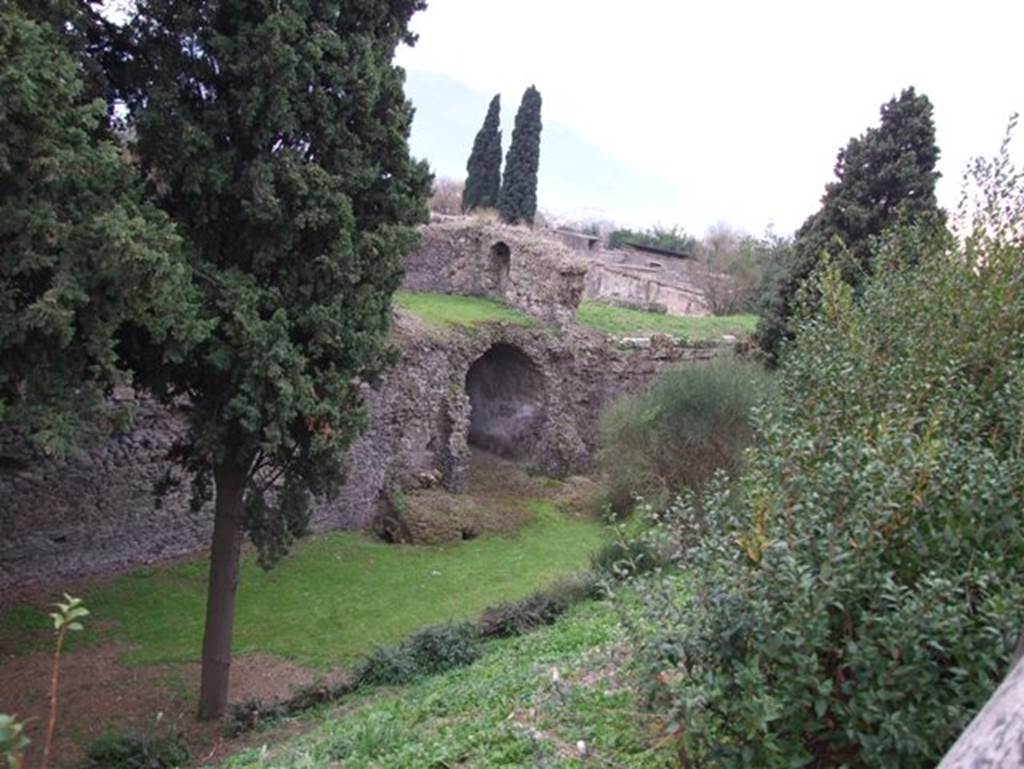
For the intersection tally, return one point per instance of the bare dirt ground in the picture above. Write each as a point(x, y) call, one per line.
point(99, 694)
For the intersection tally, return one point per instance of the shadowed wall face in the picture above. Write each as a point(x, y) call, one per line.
point(506, 396)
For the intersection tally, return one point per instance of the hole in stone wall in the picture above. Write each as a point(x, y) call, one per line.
point(506, 397)
point(501, 262)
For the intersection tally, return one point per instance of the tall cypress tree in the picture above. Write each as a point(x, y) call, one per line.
point(884, 177)
point(483, 181)
point(276, 136)
point(518, 199)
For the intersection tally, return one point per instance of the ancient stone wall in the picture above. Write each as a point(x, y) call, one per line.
point(524, 269)
point(95, 512)
point(644, 286)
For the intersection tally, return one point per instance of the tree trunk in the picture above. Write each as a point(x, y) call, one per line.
point(220, 600)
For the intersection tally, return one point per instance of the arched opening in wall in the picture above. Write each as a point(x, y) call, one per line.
point(506, 397)
point(501, 263)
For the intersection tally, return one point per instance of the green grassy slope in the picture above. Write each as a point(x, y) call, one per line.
point(445, 310)
point(504, 711)
point(620, 321)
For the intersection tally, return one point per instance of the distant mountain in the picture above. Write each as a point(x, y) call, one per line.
point(576, 178)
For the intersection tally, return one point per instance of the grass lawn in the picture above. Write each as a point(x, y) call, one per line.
point(445, 310)
point(335, 597)
point(620, 321)
point(503, 711)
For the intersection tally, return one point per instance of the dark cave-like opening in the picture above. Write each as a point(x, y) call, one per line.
point(506, 396)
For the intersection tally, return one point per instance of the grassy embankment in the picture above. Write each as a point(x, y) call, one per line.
point(334, 599)
point(621, 321)
point(504, 711)
point(446, 311)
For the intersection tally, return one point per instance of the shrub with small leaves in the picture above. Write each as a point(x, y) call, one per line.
point(854, 598)
point(689, 424)
point(136, 752)
point(627, 558)
point(13, 741)
point(432, 650)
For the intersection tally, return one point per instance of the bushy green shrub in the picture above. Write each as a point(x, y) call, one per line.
point(692, 422)
point(853, 600)
point(669, 238)
point(629, 558)
point(432, 650)
point(518, 617)
point(135, 752)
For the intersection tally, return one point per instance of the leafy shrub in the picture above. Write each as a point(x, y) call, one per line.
point(432, 650)
point(135, 752)
point(853, 600)
point(692, 422)
point(519, 617)
point(669, 238)
point(629, 558)
point(253, 712)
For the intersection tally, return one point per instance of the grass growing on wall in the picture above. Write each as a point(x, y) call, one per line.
point(446, 311)
point(621, 321)
point(336, 596)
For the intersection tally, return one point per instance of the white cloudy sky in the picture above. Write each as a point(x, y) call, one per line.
point(739, 105)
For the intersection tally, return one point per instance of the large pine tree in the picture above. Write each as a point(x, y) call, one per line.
point(884, 177)
point(518, 199)
point(276, 136)
point(483, 180)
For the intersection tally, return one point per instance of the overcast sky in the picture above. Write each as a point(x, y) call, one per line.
point(738, 107)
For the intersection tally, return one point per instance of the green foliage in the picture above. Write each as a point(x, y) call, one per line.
point(297, 208)
point(483, 182)
point(854, 599)
point(623, 321)
point(253, 713)
point(517, 201)
point(13, 741)
point(512, 618)
point(135, 752)
point(692, 422)
point(885, 177)
point(739, 266)
point(672, 238)
point(627, 558)
point(447, 311)
point(84, 257)
point(428, 652)
point(69, 612)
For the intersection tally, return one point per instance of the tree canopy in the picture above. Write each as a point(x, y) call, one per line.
point(276, 137)
point(517, 201)
point(483, 180)
point(884, 177)
point(84, 256)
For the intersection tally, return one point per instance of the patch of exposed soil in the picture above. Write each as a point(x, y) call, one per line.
point(99, 694)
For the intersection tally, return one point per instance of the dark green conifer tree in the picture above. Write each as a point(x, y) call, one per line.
point(83, 257)
point(276, 136)
point(483, 180)
point(518, 199)
point(884, 177)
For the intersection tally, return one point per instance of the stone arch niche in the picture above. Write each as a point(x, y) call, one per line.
point(500, 265)
point(506, 397)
